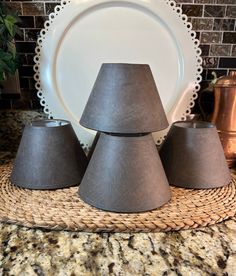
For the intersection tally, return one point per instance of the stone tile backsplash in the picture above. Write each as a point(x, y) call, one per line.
point(220, 50)
point(210, 37)
point(213, 20)
point(214, 11)
point(229, 37)
point(224, 24)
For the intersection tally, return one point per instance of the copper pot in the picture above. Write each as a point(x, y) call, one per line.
point(224, 116)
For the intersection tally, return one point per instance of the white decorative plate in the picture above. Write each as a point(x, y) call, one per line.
point(82, 34)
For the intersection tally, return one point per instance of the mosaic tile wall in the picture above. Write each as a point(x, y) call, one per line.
point(213, 20)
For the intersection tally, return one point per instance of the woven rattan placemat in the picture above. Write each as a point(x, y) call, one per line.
point(62, 209)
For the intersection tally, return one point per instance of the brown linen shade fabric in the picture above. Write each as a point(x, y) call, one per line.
point(193, 157)
point(125, 174)
point(49, 156)
point(124, 99)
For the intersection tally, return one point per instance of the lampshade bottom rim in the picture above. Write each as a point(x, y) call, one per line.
point(43, 186)
point(115, 210)
point(200, 186)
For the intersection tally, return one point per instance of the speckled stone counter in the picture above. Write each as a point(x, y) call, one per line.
point(207, 251)
point(23, 251)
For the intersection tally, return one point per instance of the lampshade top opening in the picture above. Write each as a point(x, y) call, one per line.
point(191, 124)
point(126, 134)
point(49, 123)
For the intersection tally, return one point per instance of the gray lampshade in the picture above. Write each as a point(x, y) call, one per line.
point(49, 156)
point(124, 99)
point(125, 174)
point(193, 157)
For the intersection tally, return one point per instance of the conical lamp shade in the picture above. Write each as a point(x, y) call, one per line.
point(124, 99)
point(125, 174)
point(193, 157)
point(49, 156)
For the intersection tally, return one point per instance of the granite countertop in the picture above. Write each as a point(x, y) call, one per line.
point(23, 251)
point(207, 251)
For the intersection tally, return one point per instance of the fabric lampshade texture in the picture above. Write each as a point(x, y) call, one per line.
point(124, 99)
point(193, 157)
point(49, 156)
point(125, 173)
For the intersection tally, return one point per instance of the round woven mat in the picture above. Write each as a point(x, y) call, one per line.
point(62, 209)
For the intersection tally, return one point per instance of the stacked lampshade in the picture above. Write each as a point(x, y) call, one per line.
point(125, 173)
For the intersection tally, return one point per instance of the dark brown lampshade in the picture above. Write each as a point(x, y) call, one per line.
point(193, 157)
point(124, 99)
point(125, 174)
point(49, 156)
